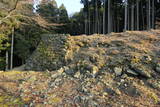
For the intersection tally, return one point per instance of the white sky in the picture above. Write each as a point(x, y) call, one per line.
point(71, 5)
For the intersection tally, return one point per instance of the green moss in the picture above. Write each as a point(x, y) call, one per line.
point(46, 51)
point(135, 60)
point(2, 63)
point(56, 100)
point(153, 96)
point(8, 101)
point(80, 44)
point(2, 99)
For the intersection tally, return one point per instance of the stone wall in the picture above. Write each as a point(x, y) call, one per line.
point(50, 53)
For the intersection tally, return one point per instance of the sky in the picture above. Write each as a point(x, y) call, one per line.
point(72, 6)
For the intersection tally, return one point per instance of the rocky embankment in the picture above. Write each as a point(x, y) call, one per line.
point(116, 70)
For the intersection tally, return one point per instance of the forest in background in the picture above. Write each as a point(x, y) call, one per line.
point(21, 26)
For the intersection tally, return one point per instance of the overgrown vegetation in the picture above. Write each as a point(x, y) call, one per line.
point(113, 69)
point(30, 24)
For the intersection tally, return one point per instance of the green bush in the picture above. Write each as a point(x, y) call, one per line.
point(2, 63)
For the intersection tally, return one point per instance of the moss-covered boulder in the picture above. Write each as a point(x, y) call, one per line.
point(50, 54)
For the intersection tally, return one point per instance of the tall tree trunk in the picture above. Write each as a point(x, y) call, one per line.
point(111, 22)
point(117, 25)
point(7, 65)
point(104, 18)
point(137, 3)
point(149, 14)
point(109, 16)
point(85, 24)
point(142, 12)
point(12, 46)
point(93, 24)
point(115, 20)
point(125, 22)
point(89, 21)
point(132, 16)
point(153, 14)
point(128, 27)
point(96, 21)
point(99, 23)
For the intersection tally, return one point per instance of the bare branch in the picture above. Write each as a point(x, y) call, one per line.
point(10, 12)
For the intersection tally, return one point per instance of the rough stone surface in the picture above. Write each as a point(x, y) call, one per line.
point(49, 55)
point(118, 71)
point(55, 89)
point(84, 72)
point(158, 69)
point(131, 72)
point(142, 72)
point(77, 75)
point(97, 52)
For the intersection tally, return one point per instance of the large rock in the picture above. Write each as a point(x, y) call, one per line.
point(142, 72)
point(131, 72)
point(141, 69)
point(49, 55)
point(118, 71)
point(158, 68)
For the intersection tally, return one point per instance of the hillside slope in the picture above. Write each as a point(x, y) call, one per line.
point(116, 70)
point(96, 51)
